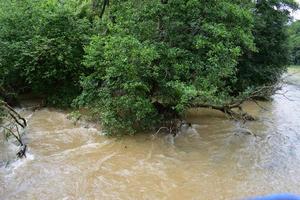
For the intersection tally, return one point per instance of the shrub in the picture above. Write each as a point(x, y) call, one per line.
point(42, 48)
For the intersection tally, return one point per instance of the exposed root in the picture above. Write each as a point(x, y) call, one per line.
point(172, 127)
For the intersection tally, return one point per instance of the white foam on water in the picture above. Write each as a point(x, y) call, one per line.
point(93, 130)
point(13, 167)
point(81, 148)
point(29, 116)
point(21, 162)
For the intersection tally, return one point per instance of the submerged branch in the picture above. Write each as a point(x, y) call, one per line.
point(14, 120)
point(234, 109)
point(14, 114)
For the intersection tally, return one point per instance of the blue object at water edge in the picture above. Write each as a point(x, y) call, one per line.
point(277, 197)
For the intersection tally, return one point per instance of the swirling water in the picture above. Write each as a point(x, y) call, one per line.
point(213, 159)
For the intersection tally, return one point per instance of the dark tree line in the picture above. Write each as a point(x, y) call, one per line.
point(294, 42)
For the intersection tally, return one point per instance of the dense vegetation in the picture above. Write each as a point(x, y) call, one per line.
point(136, 64)
point(267, 64)
point(294, 42)
point(41, 45)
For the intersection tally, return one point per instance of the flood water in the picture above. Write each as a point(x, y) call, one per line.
point(215, 159)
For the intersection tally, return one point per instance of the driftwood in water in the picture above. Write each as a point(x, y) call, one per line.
point(13, 121)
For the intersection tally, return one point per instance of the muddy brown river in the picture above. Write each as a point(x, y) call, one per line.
point(215, 159)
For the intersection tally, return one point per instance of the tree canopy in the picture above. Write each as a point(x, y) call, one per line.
point(137, 64)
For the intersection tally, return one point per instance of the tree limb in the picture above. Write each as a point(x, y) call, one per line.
point(229, 108)
point(17, 120)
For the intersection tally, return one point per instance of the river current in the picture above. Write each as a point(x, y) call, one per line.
point(214, 159)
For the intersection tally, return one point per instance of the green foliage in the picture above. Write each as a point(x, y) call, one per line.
point(120, 86)
point(158, 58)
point(294, 42)
point(142, 62)
point(42, 47)
point(271, 59)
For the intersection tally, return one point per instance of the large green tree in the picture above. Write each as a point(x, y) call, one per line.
point(155, 59)
point(271, 58)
